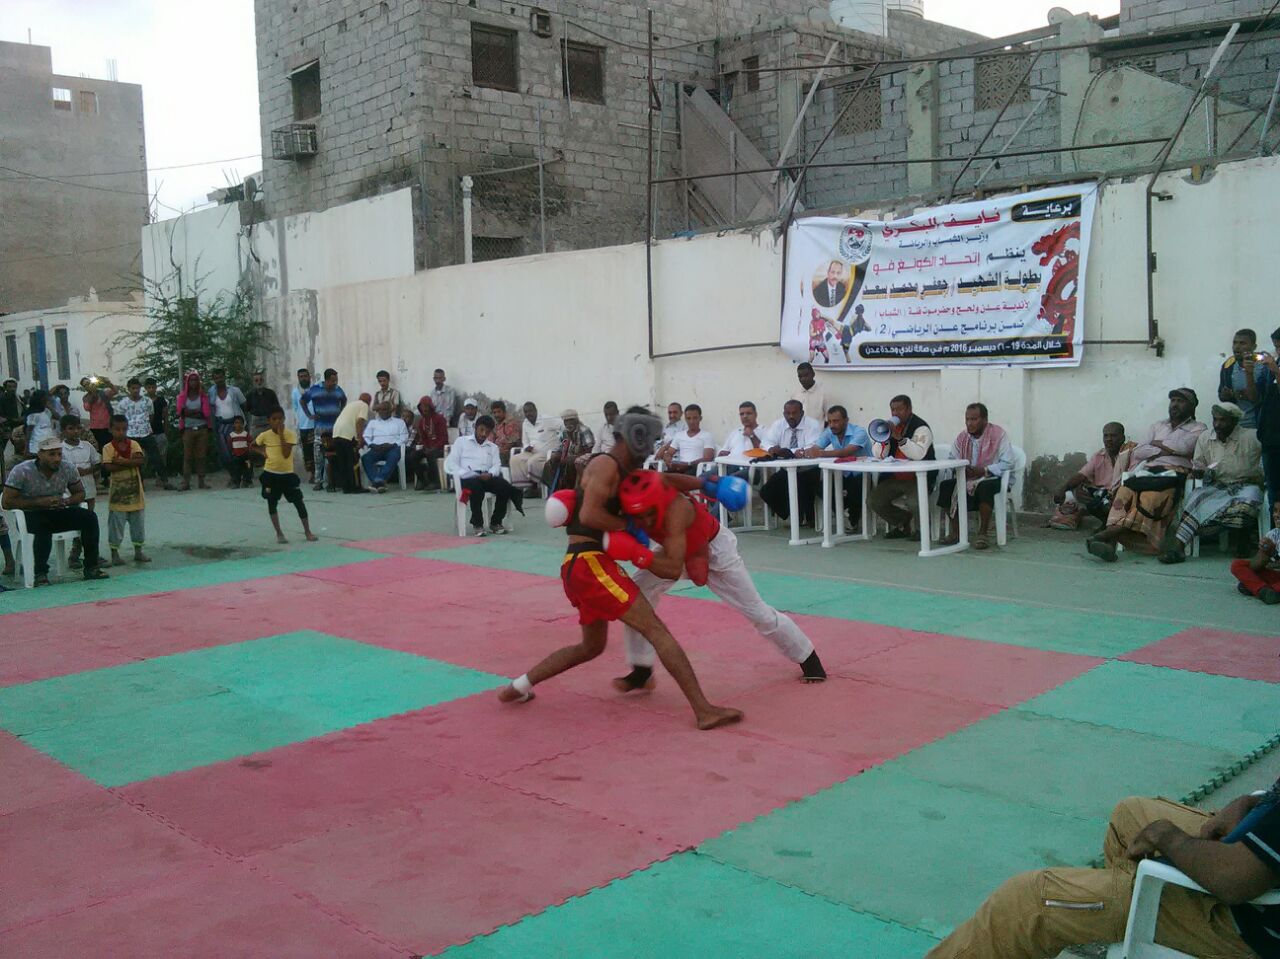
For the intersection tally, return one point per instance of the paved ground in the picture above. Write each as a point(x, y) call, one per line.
point(258, 750)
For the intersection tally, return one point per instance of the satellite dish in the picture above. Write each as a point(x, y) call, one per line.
point(1059, 14)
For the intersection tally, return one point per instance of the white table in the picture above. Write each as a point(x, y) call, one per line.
point(793, 494)
point(833, 527)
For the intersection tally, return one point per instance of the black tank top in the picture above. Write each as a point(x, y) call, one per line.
point(574, 527)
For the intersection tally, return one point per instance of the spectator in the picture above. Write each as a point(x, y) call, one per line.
point(259, 402)
point(16, 446)
point(990, 454)
point(386, 393)
point(467, 421)
point(1241, 376)
point(675, 425)
point(605, 438)
point(1229, 460)
point(474, 464)
point(228, 403)
point(139, 410)
point(810, 394)
point(538, 437)
point(40, 422)
point(306, 425)
point(239, 445)
point(910, 438)
point(788, 438)
point(348, 436)
point(1260, 576)
point(324, 402)
point(195, 420)
point(840, 439)
point(6, 547)
point(575, 440)
point(1144, 504)
point(10, 415)
point(748, 435)
point(430, 437)
point(159, 425)
point(689, 447)
point(443, 398)
point(506, 431)
point(126, 501)
point(49, 493)
point(1090, 491)
point(385, 438)
point(87, 461)
point(62, 401)
point(1269, 419)
point(278, 478)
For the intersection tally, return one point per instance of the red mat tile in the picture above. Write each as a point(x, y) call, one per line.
point(682, 784)
point(215, 912)
point(412, 543)
point(374, 572)
point(31, 778)
point(461, 865)
point(841, 642)
point(1244, 655)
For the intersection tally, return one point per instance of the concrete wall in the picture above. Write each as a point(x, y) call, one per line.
point(92, 328)
point(1140, 16)
point(59, 240)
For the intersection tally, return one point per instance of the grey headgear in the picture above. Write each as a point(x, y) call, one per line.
point(639, 431)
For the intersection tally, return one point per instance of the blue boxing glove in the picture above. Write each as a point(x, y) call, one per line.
point(636, 530)
point(731, 492)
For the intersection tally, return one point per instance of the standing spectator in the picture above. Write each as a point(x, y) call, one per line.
point(1090, 491)
point(126, 502)
point(691, 446)
point(159, 424)
point(86, 460)
point(675, 425)
point(1260, 576)
point(9, 412)
point(306, 425)
point(538, 437)
point(228, 403)
point(990, 454)
point(49, 493)
point(910, 438)
point(278, 477)
point(467, 421)
point(443, 398)
point(430, 437)
point(1269, 420)
point(506, 431)
point(387, 393)
point(348, 436)
point(98, 393)
point(788, 438)
point(139, 410)
point(575, 440)
point(474, 464)
point(1241, 375)
point(62, 401)
point(323, 402)
point(195, 422)
point(810, 394)
point(239, 444)
point(40, 422)
point(384, 436)
point(259, 402)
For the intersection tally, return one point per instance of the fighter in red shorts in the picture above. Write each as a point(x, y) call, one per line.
point(597, 586)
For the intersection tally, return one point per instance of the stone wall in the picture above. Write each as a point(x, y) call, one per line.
point(1140, 16)
point(833, 187)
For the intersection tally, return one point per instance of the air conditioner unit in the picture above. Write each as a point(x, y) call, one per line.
point(295, 141)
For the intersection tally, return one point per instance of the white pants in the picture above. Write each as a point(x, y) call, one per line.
point(526, 468)
point(730, 581)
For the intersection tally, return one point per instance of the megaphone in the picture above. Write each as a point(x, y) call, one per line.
point(880, 430)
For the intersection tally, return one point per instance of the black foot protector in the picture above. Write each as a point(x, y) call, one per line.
point(811, 669)
point(638, 678)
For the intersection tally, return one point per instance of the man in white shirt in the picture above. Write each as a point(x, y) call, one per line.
point(539, 435)
point(675, 424)
point(689, 447)
point(385, 438)
point(476, 466)
point(748, 436)
point(788, 438)
point(810, 394)
point(605, 437)
point(467, 421)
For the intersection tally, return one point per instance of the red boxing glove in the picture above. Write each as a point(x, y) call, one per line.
point(626, 548)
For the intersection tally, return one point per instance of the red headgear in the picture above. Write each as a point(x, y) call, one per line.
point(644, 490)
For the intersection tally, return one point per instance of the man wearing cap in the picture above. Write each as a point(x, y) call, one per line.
point(575, 439)
point(467, 421)
point(1144, 504)
point(49, 493)
point(1229, 460)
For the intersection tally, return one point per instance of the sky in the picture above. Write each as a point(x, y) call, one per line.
point(197, 64)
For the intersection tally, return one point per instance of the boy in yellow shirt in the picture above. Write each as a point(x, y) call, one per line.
point(122, 458)
point(278, 478)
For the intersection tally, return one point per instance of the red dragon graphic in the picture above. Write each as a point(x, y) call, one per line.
point(1058, 305)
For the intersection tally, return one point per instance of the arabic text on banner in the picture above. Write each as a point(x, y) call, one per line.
point(1000, 281)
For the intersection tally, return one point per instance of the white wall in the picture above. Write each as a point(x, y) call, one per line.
point(91, 328)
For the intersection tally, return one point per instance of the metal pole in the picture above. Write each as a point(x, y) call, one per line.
point(648, 206)
point(804, 108)
point(733, 183)
point(684, 155)
point(657, 163)
point(542, 193)
point(1026, 76)
point(1021, 126)
point(466, 219)
point(1271, 112)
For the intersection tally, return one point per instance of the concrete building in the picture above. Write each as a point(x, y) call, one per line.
point(64, 232)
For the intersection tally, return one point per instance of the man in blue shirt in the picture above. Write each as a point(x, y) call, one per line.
point(840, 439)
point(1242, 376)
point(323, 402)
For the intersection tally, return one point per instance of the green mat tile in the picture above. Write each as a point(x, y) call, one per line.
point(906, 850)
point(1069, 767)
point(690, 907)
point(200, 707)
point(1237, 715)
point(510, 554)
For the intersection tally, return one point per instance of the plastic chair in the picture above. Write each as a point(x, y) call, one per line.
point(1010, 493)
point(1144, 908)
point(1263, 516)
point(404, 450)
point(462, 511)
point(24, 545)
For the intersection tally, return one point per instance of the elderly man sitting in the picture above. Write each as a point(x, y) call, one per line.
point(1229, 459)
point(1090, 491)
point(990, 455)
point(384, 437)
point(561, 471)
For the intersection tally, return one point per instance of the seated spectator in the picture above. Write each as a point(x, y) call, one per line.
point(561, 471)
point(348, 437)
point(538, 437)
point(474, 464)
point(443, 397)
point(239, 444)
point(258, 404)
point(675, 424)
point(747, 436)
point(1241, 376)
point(788, 438)
point(384, 437)
point(909, 439)
point(691, 446)
point(810, 393)
point(1229, 460)
point(605, 438)
point(466, 422)
point(1269, 419)
point(990, 454)
point(1260, 576)
point(386, 393)
point(506, 431)
point(839, 440)
point(1090, 491)
point(430, 437)
point(1144, 504)
point(49, 493)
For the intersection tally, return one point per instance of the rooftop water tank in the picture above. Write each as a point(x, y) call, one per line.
point(871, 16)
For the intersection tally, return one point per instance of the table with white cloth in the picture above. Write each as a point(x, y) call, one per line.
point(833, 526)
point(723, 463)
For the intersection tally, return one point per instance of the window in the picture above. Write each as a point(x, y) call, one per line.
point(863, 115)
point(62, 99)
point(39, 371)
point(582, 66)
point(11, 349)
point(62, 353)
point(305, 82)
point(999, 79)
point(493, 57)
point(749, 66)
point(88, 102)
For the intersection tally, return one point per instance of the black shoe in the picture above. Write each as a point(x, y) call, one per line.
point(898, 532)
point(1104, 551)
point(478, 531)
point(94, 572)
point(1269, 596)
point(811, 670)
point(497, 529)
point(40, 581)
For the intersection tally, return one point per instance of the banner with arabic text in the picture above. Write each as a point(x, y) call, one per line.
point(999, 281)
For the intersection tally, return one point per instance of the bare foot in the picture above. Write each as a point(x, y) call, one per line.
point(312, 538)
point(719, 716)
point(509, 694)
point(281, 538)
point(623, 684)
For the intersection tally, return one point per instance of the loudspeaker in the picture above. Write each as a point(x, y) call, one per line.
point(879, 430)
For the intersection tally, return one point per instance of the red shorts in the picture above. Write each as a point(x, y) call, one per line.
point(597, 587)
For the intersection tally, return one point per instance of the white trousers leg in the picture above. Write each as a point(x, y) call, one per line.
point(729, 580)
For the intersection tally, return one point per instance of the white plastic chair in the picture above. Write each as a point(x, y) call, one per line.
point(1144, 909)
point(24, 545)
point(462, 511)
point(1010, 496)
point(401, 467)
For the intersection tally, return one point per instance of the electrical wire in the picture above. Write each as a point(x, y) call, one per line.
point(154, 169)
point(54, 256)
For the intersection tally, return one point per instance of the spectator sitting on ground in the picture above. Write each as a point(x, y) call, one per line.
point(810, 394)
point(430, 437)
point(1241, 376)
point(258, 404)
point(1231, 854)
point(386, 393)
point(605, 439)
point(506, 431)
point(691, 446)
point(1260, 576)
point(788, 438)
point(675, 425)
point(384, 436)
point(840, 439)
point(990, 454)
point(910, 438)
point(575, 440)
point(474, 464)
point(1229, 460)
point(538, 437)
point(1160, 463)
point(467, 421)
point(443, 398)
point(1090, 491)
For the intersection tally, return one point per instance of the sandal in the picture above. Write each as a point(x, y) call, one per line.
point(980, 541)
point(1172, 556)
point(1104, 551)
